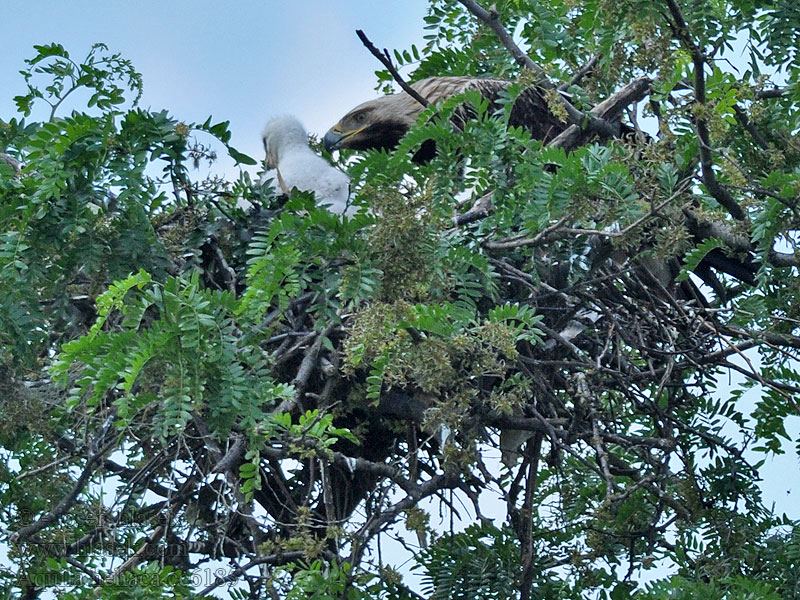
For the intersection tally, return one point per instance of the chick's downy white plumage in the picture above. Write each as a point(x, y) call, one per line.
point(292, 164)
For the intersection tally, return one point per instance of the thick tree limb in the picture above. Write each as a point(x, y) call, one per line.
point(777, 92)
point(782, 259)
point(758, 138)
point(233, 457)
point(735, 241)
point(608, 110)
point(10, 161)
point(526, 539)
point(611, 107)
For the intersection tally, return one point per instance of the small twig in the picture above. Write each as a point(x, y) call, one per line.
point(387, 62)
point(271, 559)
point(539, 238)
point(557, 229)
point(785, 390)
point(580, 73)
point(360, 539)
point(83, 568)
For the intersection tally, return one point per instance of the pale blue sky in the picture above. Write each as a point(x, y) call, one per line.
point(241, 61)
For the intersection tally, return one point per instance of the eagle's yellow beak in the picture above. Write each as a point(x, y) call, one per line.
point(336, 137)
point(333, 138)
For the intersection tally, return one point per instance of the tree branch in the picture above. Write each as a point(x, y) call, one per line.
point(67, 502)
point(492, 19)
point(580, 73)
point(280, 558)
point(361, 538)
point(776, 92)
point(480, 210)
point(699, 59)
point(608, 110)
point(387, 62)
point(758, 138)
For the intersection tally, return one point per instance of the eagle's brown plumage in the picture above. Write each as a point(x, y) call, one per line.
point(382, 122)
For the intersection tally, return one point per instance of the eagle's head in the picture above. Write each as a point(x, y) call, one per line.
point(379, 123)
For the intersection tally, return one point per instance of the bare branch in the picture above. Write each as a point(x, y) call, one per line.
point(387, 62)
point(699, 59)
point(492, 19)
point(611, 107)
point(580, 73)
point(361, 538)
point(480, 210)
point(138, 556)
point(280, 558)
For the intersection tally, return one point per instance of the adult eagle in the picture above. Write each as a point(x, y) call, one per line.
point(381, 123)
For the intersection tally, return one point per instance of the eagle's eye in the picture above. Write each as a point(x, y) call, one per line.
point(360, 118)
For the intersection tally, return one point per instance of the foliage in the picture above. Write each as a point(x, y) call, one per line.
point(188, 386)
point(465, 566)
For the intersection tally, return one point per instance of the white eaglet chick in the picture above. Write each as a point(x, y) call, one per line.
point(292, 164)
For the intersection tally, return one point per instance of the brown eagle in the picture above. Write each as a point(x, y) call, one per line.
point(381, 123)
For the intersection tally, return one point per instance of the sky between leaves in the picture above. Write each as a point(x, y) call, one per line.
point(243, 61)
